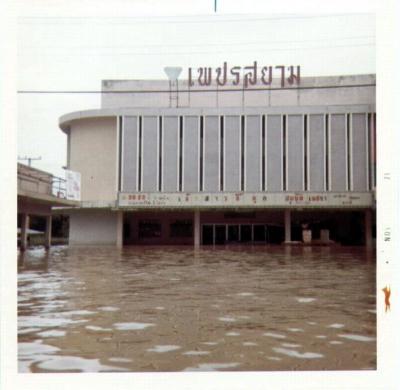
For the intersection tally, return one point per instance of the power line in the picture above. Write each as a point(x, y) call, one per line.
point(143, 91)
point(203, 44)
point(266, 50)
point(210, 18)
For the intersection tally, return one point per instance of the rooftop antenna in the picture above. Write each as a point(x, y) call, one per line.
point(29, 159)
point(173, 73)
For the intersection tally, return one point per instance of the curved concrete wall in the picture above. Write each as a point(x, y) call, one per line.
point(93, 153)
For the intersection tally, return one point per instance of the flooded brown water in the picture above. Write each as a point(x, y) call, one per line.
point(176, 309)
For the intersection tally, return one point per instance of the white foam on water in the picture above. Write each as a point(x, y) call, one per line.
point(25, 304)
point(34, 348)
point(26, 276)
point(45, 322)
point(24, 365)
point(119, 360)
point(334, 342)
point(210, 342)
point(249, 344)
point(25, 362)
point(297, 354)
point(164, 348)
point(305, 300)
point(72, 363)
point(160, 308)
point(289, 345)
point(211, 366)
point(132, 325)
point(311, 323)
point(79, 312)
point(336, 326)
point(108, 308)
point(36, 252)
point(371, 311)
point(195, 353)
point(275, 335)
point(98, 328)
point(295, 330)
point(232, 334)
point(52, 333)
point(356, 337)
point(29, 330)
point(273, 358)
point(321, 336)
point(245, 294)
point(227, 319)
point(49, 307)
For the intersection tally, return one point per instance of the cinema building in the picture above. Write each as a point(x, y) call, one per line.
point(169, 162)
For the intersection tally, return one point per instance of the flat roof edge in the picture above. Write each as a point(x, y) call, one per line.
point(65, 120)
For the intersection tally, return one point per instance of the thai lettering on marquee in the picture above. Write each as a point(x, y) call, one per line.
point(248, 75)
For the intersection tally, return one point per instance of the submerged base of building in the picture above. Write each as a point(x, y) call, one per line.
point(221, 227)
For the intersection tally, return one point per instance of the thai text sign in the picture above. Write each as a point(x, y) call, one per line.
point(251, 75)
point(73, 185)
point(245, 199)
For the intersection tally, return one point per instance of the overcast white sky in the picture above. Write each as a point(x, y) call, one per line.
point(67, 50)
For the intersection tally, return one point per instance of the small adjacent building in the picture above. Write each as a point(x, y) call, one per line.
point(38, 193)
point(166, 162)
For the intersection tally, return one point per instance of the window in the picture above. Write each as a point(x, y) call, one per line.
point(149, 228)
point(181, 228)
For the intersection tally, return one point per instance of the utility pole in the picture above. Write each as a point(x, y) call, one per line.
point(215, 5)
point(29, 159)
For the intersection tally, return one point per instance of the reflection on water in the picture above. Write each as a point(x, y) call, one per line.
point(176, 309)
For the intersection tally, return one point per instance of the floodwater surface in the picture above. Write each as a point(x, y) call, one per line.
point(176, 309)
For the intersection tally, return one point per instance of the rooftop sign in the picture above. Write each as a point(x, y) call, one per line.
point(248, 75)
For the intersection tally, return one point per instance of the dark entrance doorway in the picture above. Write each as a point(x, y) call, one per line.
point(260, 233)
point(208, 235)
point(245, 233)
point(220, 234)
point(233, 233)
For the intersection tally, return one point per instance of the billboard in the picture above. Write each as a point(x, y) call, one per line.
point(73, 185)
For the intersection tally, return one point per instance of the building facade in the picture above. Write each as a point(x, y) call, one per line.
point(165, 163)
point(38, 192)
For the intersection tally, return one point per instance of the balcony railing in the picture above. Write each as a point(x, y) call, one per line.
point(39, 182)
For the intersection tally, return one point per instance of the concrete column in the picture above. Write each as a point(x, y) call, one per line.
point(120, 229)
point(288, 226)
point(368, 228)
point(24, 231)
point(47, 237)
point(196, 229)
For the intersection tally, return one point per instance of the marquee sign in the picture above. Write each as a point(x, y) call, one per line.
point(252, 75)
point(245, 199)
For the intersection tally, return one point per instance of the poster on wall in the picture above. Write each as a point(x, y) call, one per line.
point(73, 185)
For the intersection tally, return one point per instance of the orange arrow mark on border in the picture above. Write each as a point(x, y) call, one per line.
point(387, 292)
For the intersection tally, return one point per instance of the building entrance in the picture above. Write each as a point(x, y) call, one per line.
point(221, 234)
point(233, 233)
